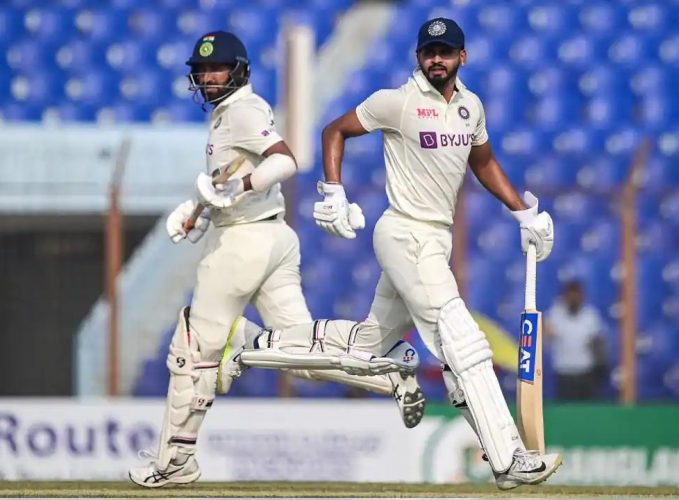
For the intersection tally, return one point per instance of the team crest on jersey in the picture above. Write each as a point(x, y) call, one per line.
point(217, 123)
point(437, 28)
point(463, 112)
point(206, 49)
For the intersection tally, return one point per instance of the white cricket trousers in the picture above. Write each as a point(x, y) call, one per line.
point(416, 282)
point(256, 262)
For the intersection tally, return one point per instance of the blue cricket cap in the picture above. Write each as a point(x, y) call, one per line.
point(440, 30)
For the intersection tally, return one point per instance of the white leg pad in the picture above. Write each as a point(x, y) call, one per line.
point(469, 356)
point(190, 394)
point(401, 358)
point(379, 384)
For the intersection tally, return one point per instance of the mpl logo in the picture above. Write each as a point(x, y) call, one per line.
point(409, 355)
point(527, 346)
point(427, 113)
point(429, 140)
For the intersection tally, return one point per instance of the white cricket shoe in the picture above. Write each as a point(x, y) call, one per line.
point(150, 476)
point(528, 467)
point(409, 397)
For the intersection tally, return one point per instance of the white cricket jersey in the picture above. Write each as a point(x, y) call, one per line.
point(427, 142)
point(243, 124)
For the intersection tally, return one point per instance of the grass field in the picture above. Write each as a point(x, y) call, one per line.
point(317, 490)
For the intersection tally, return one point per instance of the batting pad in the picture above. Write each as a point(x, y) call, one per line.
point(401, 358)
point(469, 356)
point(189, 395)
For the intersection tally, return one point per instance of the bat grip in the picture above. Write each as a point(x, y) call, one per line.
point(531, 278)
point(190, 223)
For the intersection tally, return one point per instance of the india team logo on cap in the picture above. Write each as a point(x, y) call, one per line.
point(463, 112)
point(206, 49)
point(437, 28)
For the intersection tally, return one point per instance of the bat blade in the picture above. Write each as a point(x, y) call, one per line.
point(529, 385)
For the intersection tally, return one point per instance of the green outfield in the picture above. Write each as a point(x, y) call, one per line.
point(315, 490)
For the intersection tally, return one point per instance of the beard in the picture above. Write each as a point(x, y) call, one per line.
point(438, 81)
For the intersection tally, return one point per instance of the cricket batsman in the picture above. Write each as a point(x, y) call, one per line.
point(433, 128)
point(251, 256)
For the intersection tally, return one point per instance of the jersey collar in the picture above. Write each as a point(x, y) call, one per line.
point(424, 85)
point(244, 91)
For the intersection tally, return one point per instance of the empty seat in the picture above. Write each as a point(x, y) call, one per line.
point(579, 141)
point(552, 19)
point(48, 23)
point(630, 50)
point(550, 173)
point(101, 25)
point(603, 18)
point(530, 51)
point(603, 173)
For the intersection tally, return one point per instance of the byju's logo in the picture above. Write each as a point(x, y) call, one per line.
point(428, 140)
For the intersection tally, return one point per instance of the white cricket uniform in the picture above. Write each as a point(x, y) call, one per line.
point(427, 142)
point(251, 255)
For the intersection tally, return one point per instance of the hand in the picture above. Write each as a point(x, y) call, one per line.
point(536, 228)
point(219, 196)
point(175, 223)
point(335, 214)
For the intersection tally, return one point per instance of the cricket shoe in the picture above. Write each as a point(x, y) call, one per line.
point(150, 476)
point(528, 467)
point(408, 396)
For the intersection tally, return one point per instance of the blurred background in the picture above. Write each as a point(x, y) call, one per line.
point(99, 139)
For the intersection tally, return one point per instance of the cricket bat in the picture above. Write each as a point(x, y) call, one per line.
point(529, 384)
point(220, 178)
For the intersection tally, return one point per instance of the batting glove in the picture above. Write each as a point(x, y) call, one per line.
point(219, 196)
point(175, 223)
point(536, 228)
point(335, 214)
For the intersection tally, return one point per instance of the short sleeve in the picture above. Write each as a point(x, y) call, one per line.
point(253, 128)
point(381, 111)
point(480, 135)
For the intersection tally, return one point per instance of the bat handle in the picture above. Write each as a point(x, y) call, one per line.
point(531, 278)
point(190, 223)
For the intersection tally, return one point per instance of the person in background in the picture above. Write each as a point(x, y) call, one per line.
point(574, 330)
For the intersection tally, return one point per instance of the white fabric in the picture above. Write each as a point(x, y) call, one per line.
point(243, 124)
point(379, 384)
point(335, 214)
point(536, 227)
point(571, 338)
point(402, 358)
point(174, 224)
point(427, 142)
point(218, 196)
point(257, 263)
point(469, 356)
point(190, 394)
point(274, 169)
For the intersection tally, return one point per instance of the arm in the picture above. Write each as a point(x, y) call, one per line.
point(490, 174)
point(536, 228)
point(278, 166)
point(333, 138)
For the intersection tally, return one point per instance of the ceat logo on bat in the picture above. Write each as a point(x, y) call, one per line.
point(527, 345)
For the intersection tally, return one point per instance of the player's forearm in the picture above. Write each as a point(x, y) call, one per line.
point(493, 178)
point(274, 169)
point(333, 151)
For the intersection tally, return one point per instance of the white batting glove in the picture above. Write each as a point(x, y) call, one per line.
point(175, 223)
point(219, 196)
point(335, 214)
point(536, 228)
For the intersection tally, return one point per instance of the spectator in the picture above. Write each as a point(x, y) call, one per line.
point(574, 331)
